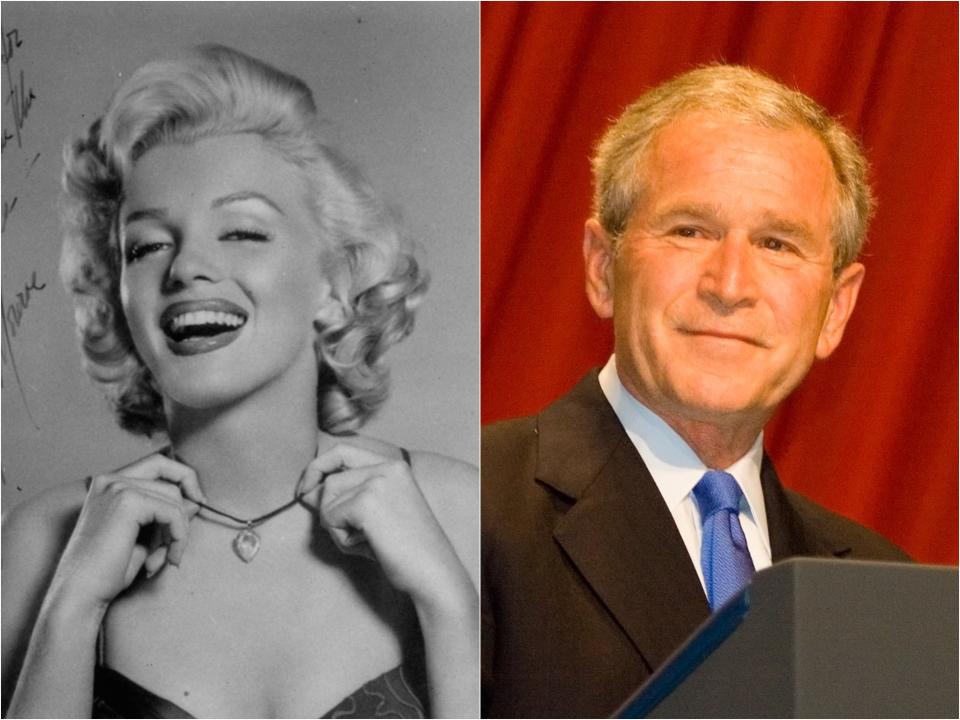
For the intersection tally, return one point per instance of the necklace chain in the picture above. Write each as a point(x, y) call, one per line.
point(247, 543)
point(254, 522)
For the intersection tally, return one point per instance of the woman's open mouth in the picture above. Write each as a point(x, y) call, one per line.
point(200, 326)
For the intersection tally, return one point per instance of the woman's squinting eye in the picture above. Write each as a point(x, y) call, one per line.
point(138, 250)
point(244, 234)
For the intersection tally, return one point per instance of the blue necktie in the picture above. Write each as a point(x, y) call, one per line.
point(724, 556)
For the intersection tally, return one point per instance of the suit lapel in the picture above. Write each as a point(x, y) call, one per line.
point(618, 533)
point(789, 534)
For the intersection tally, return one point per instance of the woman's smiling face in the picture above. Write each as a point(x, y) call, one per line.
point(221, 269)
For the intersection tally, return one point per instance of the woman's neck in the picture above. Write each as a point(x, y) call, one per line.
point(248, 457)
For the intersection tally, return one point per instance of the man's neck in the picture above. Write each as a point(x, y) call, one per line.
point(719, 441)
point(717, 446)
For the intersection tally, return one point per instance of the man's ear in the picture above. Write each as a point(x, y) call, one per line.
point(844, 298)
point(598, 254)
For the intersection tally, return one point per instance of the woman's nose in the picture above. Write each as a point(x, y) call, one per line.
point(195, 260)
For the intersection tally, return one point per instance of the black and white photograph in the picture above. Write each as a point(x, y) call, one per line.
point(240, 359)
point(486, 358)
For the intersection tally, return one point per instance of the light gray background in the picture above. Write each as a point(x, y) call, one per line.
point(399, 81)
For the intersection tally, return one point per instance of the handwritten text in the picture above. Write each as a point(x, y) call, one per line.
point(20, 97)
point(13, 315)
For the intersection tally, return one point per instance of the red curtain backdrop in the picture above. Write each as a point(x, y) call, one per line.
point(872, 432)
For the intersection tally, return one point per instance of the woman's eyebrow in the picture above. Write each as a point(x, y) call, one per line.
point(146, 214)
point(245, 195)
point(161, 214)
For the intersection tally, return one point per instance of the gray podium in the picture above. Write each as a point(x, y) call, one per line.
point(819, 638)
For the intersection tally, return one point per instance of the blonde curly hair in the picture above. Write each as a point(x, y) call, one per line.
point(212, 91)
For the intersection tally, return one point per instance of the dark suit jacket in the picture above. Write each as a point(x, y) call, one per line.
point(587, 585)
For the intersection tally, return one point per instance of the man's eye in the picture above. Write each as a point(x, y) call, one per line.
point(251, 235)
point(136, 251)
point(775, 244)
point(686, 231)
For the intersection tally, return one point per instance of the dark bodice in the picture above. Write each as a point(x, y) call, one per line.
point(395, 694)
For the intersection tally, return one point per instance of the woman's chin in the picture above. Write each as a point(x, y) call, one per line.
point(201, 397)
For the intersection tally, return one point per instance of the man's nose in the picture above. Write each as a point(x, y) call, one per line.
point(196, 259)
point(729, 279)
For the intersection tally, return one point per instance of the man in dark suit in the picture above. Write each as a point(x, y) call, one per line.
point(729, 213)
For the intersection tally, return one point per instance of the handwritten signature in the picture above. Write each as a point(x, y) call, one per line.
point(13, 315)
point(7, 211)
point(9, 205)
point(20, 96)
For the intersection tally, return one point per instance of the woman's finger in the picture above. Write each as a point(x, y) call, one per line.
point(342, 511)
point(340, 485)
point(155, 561)
point(160, 467)
point(351, 542)
point(145, 506)
point(342, 456)
point(355, 501)
point(137, 557)
point(160, 489)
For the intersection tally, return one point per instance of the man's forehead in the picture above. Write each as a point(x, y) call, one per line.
point(704, 167)
point(706, 143)
point(706, 126)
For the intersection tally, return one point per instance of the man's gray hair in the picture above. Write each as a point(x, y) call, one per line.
point(737, 92)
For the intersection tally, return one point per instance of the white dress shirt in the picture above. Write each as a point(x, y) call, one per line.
point(676, 469)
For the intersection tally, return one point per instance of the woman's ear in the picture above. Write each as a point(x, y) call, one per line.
point(330, 312)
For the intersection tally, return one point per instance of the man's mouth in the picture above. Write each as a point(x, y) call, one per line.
point(201, 326)
point(719, 334)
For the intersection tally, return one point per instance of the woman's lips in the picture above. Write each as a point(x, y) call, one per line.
point(200, 326)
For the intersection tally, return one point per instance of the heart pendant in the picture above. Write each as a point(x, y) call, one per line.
point(246, 544)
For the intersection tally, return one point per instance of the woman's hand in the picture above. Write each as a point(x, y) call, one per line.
point(371, 505)
point(135, 518)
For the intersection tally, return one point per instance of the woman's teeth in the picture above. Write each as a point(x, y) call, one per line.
point(206, 317)
point(202, 323)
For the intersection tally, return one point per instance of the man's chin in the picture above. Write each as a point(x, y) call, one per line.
point(722, 406)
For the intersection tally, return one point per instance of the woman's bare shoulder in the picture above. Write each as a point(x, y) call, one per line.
point(371, 444)
point(35, 533)
point(446, 476)
point(42, 524)
point(452, 489)
point(49, 506)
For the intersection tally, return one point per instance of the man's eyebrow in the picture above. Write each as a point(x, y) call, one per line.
point(799, 230)
point(704, 211)
point(245, 195)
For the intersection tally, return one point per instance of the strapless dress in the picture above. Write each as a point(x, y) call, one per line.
point(395, 694)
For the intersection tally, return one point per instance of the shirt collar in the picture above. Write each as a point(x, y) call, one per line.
point(674, 466)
